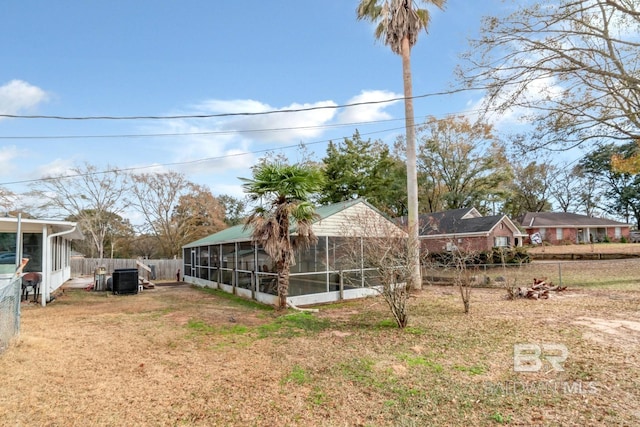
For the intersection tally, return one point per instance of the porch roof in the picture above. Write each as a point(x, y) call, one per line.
point(9, 224)
point(240, 233)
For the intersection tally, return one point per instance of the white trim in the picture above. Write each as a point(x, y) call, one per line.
point(47, 263)
point(471, 213)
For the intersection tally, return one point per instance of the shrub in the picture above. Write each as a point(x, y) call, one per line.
point(517, 255)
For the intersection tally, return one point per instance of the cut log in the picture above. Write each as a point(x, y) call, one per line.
point(538, 290)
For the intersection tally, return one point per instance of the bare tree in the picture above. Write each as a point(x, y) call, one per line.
point(569, 66)
point(384, 255)
point(460, 266)
point(530, 189)
point(565, 188)
point(590, 195)
point(93, 198)
point(7, 200)
point(157, 196)
point(466, 274)
point(119, 234)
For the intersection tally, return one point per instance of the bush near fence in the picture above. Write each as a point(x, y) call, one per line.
point(166, 269)
point(516, 255)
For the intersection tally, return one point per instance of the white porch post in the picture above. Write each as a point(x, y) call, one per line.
point(46, 267)
point(47, 262)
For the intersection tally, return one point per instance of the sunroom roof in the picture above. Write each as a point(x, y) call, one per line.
point(238, 233)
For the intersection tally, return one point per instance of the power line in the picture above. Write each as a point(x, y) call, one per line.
point(230, 132)
point(211, 133)
point(222, 132)
point(187, 162)
point(258, 113)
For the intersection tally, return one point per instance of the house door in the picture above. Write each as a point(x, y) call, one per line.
point(193, 262)
point(583, 235)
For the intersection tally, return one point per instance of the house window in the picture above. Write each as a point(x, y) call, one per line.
point(501, 241)
point(31, 249)
point(559, 234)
point(618, 232)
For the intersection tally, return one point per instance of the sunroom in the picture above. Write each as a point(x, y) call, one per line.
point(328, 271)
point(47, 246)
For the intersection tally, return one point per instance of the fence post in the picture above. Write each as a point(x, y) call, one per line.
point(560, 273)
point(18, 297)
point(254, 284)
point(341, 286)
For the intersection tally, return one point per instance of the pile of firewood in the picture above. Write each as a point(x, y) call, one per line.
point(539, 290)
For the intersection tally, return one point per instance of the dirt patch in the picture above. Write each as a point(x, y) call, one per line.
point(623, 333)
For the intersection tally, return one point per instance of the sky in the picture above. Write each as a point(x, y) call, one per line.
point(123, 58)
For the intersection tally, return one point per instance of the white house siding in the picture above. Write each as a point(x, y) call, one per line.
point(359, 219)
point(55, 248)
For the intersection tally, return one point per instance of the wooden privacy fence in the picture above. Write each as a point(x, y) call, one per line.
point(165, 269)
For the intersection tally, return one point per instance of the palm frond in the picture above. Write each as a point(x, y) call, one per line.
point(369, 10)
point(285, 191)
point(397, 19)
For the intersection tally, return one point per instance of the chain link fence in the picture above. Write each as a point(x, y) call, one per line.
point(619, 272)
point(10, 292)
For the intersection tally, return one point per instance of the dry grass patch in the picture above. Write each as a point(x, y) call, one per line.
point(598, 248)
point(184, 356)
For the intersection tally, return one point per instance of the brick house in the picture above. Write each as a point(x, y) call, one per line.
point(467, 230)
point(563, 227)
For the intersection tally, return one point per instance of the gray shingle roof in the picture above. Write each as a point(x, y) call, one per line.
point(566, 219)
point(454, 222)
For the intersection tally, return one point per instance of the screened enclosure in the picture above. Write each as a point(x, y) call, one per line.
point(245, 266)
point(332, 269)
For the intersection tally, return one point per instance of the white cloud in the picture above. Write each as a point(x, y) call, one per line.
point(204, 148)
point(8, 159)
point(219, 106)
point(18, 95)
point(54, 168)
point(224, 144)
point(218, 149)
point(368, 112)
point(280, 127)
point(218, 160)
point(234, 190)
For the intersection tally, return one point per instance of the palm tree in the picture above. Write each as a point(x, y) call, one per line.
point(283, 192)
point(399, 23)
